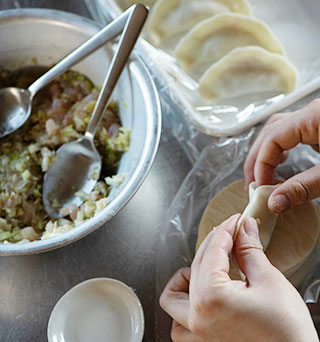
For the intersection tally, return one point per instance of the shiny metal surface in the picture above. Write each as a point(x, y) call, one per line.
point(77, 165)
point(16, 103)
point(125, 248)
point(15, 108)
point(135, 93)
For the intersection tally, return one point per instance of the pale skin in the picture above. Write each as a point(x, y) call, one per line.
point(280, 134)
point(205, 304)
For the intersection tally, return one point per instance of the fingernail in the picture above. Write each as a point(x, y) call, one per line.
point(251, 227)
point(280, 203)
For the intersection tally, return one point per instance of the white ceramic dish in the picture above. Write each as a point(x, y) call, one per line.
point(233, 116)
point(97, 310)
point(49, 35)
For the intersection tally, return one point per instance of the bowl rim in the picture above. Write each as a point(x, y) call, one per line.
point(146, 159)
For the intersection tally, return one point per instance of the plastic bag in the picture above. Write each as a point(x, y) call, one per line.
point(218, 165)
point(176, 112)
point(227, 117)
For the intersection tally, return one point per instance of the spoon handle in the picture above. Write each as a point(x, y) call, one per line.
point(128, 39)
point(98, 40)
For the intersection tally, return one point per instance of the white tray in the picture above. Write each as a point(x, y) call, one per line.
point(294, 22)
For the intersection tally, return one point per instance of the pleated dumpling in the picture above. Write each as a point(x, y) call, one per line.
point(248, 70)
point(295, 235)
point(213, 38)
point(172, 17)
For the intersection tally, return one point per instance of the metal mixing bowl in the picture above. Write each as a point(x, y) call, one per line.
point(45, 36)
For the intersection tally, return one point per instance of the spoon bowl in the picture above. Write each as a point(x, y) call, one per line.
point(63, 180)
point(15, 104)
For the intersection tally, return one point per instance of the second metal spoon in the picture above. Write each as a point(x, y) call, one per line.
point(77, 164)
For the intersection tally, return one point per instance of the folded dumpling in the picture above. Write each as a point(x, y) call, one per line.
point(258, 209)
point(213, 38)
point(171, 17)
point(248, 70)
point(294, 238)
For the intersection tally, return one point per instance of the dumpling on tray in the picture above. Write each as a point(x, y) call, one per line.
point(173, 17)
point(248, 70)
point(213, 38)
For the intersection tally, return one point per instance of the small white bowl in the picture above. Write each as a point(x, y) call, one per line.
point(97, 310)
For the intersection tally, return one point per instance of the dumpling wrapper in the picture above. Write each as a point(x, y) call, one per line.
point(258, 209)
point(213, 38)
point(172, 17)
point(248, 70)
point(295, 235)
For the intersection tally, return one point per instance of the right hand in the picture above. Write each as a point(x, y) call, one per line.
point(279, 135)
point(207, 306)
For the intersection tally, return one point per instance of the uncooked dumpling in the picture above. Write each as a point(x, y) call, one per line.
point(248, 70)
point(258, 209)
point(213, 38)
point(295, 235)
point(171, 17)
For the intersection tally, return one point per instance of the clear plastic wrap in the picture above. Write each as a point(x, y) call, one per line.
point(218, 165)
point(218, 161)
point(177, 112)
point(227, 117)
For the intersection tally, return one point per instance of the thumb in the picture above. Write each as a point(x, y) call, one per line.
point(248, 251)
point(301, 188)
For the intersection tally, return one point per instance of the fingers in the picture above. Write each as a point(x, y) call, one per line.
point(279, 137)
point(284, 157)
point(250, 161)
point(181, 334)
point(211, 264)
point(175, 297)
point(303, 187)
point(251, 259)
point(281, 133)
point(252, 155)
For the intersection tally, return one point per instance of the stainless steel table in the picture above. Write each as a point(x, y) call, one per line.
point(123, 249)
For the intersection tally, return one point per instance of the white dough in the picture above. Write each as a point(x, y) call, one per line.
point(248, 70)
point(258, 209)
point(295, 235)
point(213, 38)
point(171, 17)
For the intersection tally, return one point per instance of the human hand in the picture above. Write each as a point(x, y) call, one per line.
point(280, 134)
point(207, 306)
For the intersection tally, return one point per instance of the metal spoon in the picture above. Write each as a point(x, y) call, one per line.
point(16, 103)
point(77, 164)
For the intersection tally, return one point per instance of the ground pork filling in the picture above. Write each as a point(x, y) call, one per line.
point(60, 113)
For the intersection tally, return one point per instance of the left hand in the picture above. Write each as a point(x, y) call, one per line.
point(207, 306)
